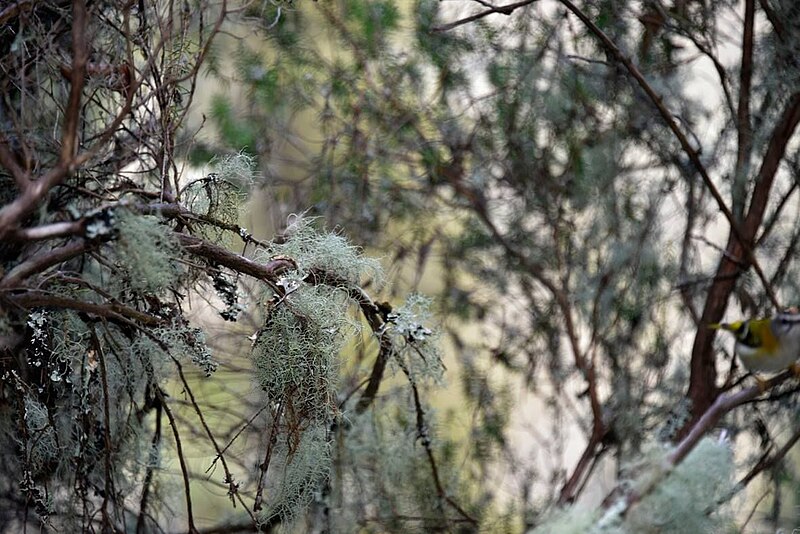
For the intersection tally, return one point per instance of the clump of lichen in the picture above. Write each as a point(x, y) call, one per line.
point(685, 499)
point(145, 250)
point(296, 354)
point(299, 476)
point(326, 252)
point(296, 351)
point(416, 345)
point(219, 195)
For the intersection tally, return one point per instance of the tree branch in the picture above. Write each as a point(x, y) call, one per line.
point(267, 272)
point(744, 129)
point(721, 406)
point(503, 10)
point(35, 190)
point(42, 261)
point(181, 459)
point(110, 310)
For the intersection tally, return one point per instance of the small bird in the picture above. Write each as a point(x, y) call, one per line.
point(767, 345)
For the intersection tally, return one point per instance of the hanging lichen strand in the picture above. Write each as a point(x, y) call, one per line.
point(296, 356)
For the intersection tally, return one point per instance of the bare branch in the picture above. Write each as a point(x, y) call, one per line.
point(267, 272)
point(744, 129)
point(722, 405)
point(768, 462)
point(111, 310)
point(503, 10)
point(42, 261)
point(80, 55)
point(181, 459)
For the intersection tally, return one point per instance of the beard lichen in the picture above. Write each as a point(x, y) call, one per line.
point(145, 251)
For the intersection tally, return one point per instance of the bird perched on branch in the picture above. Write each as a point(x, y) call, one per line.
point(767, 345)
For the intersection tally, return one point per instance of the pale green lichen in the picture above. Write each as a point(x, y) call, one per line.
point(41, 445)
point(296, 355)
point(299, 475)
point(685, 499)
point(146, 253)
point(330, 253)
point(219, 195)
point(296, 351)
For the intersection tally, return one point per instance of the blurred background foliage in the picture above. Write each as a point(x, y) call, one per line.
point(514, 171)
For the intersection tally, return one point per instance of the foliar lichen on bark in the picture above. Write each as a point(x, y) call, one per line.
point(417, 347)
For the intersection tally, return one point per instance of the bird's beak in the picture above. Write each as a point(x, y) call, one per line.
point(715, 326)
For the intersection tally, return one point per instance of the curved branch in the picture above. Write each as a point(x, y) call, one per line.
point(267, 272)
point(42, 261)
point(722, 405)
point(110, 310)
point(503, 10)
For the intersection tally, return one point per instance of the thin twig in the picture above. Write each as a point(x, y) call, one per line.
point(424, 436)
point(181, 459)
point(262, 469)
point(43, 261)
point(503, 10)
point(109, 489)
point(149, 473)
point(233, 487)
point(111, 310)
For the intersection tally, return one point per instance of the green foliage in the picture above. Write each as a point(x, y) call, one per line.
point(512, 157)
point(233, 130)
point(373, 22)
